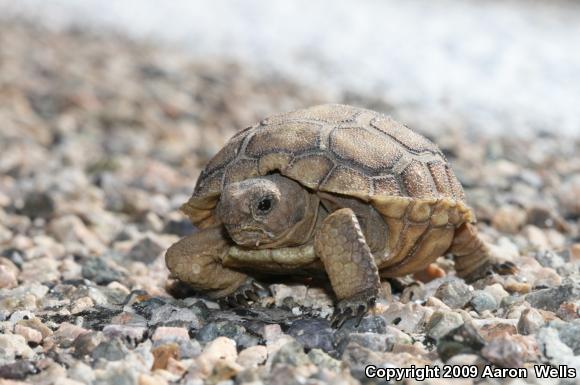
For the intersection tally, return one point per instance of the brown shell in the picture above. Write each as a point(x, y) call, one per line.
point(337, 149)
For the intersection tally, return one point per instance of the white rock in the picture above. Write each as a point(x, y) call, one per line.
point(253, 356)
point(15, 345)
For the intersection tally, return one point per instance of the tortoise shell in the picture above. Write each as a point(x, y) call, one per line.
point(344, 150)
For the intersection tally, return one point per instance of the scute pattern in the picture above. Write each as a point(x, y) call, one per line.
point(334, 149)
point(386, 185)
point(326, 113)
point(309, 170)
point(224, 156)
point(404, 135)
point(364, 148)
point(240, 170)
point(439, 175)
point(294, 137)
point(417, 180)
point(347, 180)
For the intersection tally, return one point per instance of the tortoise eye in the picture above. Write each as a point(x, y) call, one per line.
point(264, 205)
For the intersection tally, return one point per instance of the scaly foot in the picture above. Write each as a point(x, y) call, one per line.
point(248, 291)
point(355, 307)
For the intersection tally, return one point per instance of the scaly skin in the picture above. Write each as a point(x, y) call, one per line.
point(473, 257)
point(197, 260)
point(349, 263)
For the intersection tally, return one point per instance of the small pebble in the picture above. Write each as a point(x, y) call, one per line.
point(31, 335)
point(164, 332)
point(483, 300)
point(530, 322)
point(252, 356)
point(455, 294)
point(441, 323)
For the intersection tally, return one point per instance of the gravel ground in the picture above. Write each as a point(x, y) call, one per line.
point(102, 139)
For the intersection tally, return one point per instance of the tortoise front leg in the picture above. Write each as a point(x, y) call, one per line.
point(474, 258)
point(197, 261)
point(349, 263)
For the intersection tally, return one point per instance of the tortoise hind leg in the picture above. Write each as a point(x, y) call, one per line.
point(348, 261)
point(474, 258)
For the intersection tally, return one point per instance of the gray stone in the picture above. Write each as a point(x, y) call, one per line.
point(548, 258)
point(101, 271)
point(189, 349)
point(113, 350)
point(313, 333)
point(552, 298)
point(555, 351)
point(483, 300)
point(373, 341)
point(117, 375)
point(441, 323)
point(169, 315)
point(455, 294)
point(569, 333)
point(291, 354)
point(323, 360)
point(228, 329)
point(146, 250)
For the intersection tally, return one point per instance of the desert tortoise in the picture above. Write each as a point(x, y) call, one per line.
point(332, 188)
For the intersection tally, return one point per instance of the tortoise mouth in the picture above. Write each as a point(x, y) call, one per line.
point(249, 236)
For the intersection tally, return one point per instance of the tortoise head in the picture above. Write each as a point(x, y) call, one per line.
point(268, 211)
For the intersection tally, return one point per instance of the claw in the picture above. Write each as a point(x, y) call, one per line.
point(362, 309)
point(248, 291)
point(257, 285)
point(355, 308)
point(252, 296)
point(241, 299)
point(231, 300)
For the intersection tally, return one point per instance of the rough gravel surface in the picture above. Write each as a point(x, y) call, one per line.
point(102, 139)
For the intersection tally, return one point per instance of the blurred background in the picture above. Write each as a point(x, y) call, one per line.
point(496, 67)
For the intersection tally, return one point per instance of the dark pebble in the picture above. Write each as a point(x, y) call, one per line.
point(146, 250)
point(15, 255)
point(38, 205)
point(182, 227)
point(18, 370)
point(100, 272)
point(228, 329)
point(313, 334)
